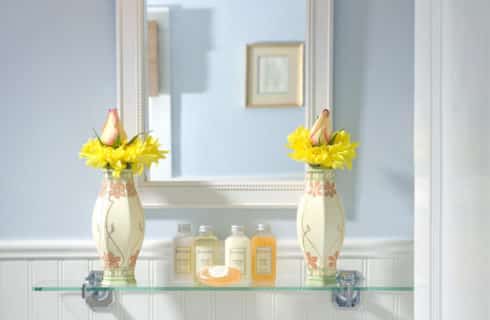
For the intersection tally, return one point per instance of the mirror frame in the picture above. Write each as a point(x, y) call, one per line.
point(218, 192)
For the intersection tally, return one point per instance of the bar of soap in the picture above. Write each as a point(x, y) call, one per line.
point(218, 271)
point(217, 276)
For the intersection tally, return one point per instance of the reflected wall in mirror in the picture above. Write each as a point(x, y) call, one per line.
point(199, 112)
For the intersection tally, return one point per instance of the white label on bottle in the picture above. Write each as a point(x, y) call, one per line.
point(263, 257)
point(182, 260)
point(204, 257)
point(238, 260)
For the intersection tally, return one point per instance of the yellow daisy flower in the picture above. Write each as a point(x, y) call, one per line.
point(338, 153)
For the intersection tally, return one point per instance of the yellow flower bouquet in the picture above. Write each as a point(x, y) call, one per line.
point(113, 151)
point(322, 147)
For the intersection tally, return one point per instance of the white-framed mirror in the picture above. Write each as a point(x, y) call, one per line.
point(209, 166)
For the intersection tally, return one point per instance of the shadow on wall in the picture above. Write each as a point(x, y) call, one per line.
point(350, 38)
point(373, 93)
point(401, 183)
point(191, 40)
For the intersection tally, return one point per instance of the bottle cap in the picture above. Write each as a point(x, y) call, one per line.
point(263, 227)
point(184, 228)
point(205, 228)
point(236, 228)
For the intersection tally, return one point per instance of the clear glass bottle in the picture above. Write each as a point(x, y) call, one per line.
point(237, 253)
point(183, 254)
point(205, 250)
point(263, 249)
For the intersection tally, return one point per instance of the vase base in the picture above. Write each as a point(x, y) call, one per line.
point(111, 281)
point(318, 281)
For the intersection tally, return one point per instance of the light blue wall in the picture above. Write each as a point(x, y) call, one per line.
point(58, 78)
point(56, 81)
point(373, 98)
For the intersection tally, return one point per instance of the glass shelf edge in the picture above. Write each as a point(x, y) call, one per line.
point(41, 288)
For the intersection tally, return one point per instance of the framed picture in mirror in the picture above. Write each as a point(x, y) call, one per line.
point(274, 75)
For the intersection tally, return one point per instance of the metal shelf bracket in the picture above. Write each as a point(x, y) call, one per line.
point(347, 295)
point(94, 296)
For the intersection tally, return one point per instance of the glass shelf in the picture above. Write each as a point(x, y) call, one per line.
point(53, 286)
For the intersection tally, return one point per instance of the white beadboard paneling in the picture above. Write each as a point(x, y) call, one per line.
point(351, 264)
point(379, 306)
point(112, 313)
point(318, 306)
point(198, 305)
point(46, 305)
point(136, 305)
point(404, 269)
point(259, 305)
point(14, 286)
point(395, 271)
point(405, 310)
point(165, 305)
point(229, 306)
point(72, 307)
point(342, 314)
point(289, 306)
point(380, 271)
point(168, 305)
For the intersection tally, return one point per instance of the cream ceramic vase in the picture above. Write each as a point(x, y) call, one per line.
point(320, 226)
point(118, 228)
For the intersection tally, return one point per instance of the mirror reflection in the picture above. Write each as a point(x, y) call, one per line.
point(225, 86)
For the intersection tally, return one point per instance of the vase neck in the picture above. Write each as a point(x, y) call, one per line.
point(124, 176)
point(320, 175)
point(117, 187)
point(320, 183)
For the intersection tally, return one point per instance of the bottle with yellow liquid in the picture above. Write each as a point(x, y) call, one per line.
point(205, 250)
point(183, 254)
point(263, 249)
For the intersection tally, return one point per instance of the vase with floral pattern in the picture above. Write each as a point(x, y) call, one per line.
point(118, 227)
point(320, 226)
